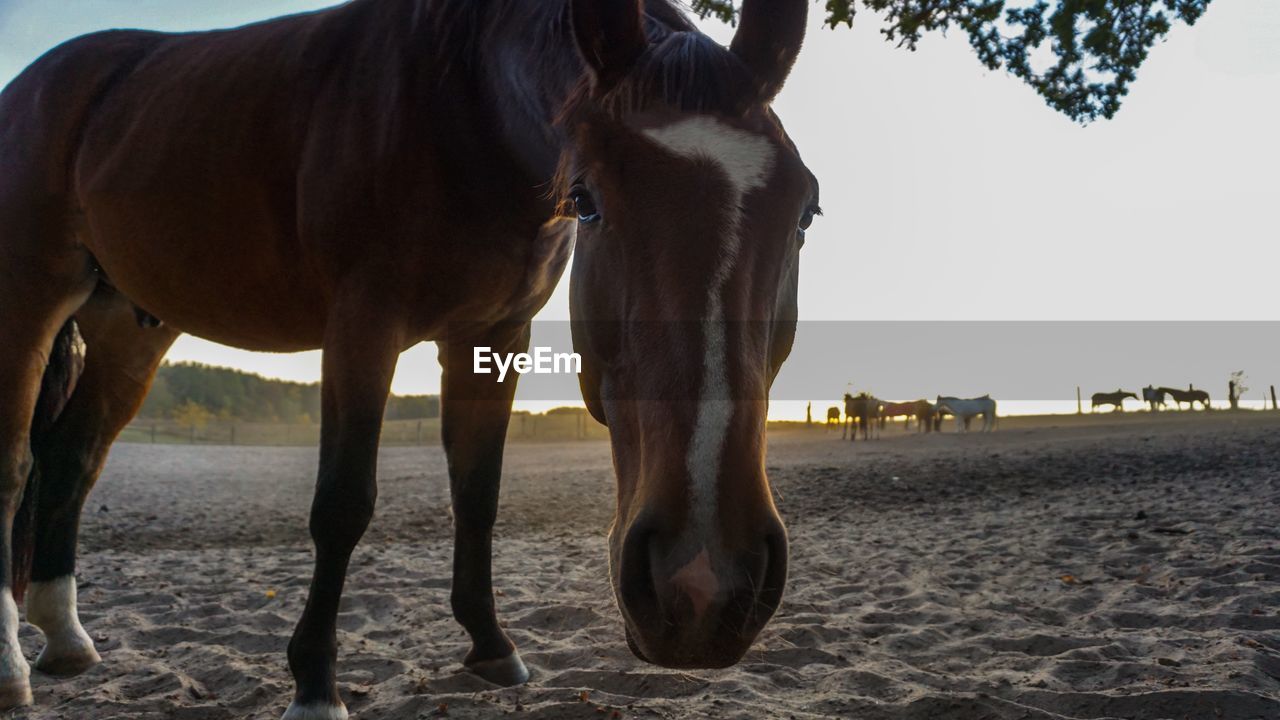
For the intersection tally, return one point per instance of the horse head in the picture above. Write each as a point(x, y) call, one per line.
point(691, 205)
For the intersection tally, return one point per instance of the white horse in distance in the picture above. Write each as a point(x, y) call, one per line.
point(966, 409)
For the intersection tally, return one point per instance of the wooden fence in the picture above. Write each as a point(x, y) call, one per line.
point(524, 427)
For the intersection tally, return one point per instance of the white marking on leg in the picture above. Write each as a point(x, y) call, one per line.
point(746, 160)
point(315, 711)
point(51, 606)
point(15, 674)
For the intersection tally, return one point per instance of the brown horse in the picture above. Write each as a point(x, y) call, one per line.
point(833, 416)
point(920, 410)
point(385, 172)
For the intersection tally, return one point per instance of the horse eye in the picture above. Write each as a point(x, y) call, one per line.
point(807, 218)
point(584, 205)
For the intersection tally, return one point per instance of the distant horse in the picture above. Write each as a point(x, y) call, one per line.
point(366, 177)
point(920, 410)
point(833, 416)
point(967, 409)
point(1190, 397)
point(1115, 399)
point(939, 414)
point(1153, 397)
point(927, 417)
point(860, 411)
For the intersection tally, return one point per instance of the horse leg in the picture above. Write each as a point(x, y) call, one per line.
point(39, 290)
point(475, 411)
point(360, 351)
point(119, 366)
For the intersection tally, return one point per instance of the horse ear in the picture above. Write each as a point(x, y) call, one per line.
point(610, 37)
point(768, 40)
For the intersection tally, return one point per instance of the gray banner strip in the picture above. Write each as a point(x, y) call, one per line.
point(1015, 360)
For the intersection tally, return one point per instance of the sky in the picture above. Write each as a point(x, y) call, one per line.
point(951, 192)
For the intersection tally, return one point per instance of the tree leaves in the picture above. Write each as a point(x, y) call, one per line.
point(1097, 45)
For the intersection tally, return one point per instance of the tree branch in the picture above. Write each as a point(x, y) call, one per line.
point(1098, 45)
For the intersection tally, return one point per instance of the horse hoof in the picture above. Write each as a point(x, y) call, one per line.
point(507, 671)
point(315, 711)
point(14, 693)
point(66, 660)
point(68, 654)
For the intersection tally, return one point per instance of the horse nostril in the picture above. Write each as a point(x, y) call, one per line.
point(637, 593)
point(774, 578)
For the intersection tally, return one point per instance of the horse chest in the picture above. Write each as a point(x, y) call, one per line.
point(506, 278)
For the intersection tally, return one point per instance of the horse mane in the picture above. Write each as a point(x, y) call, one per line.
point(684, 71)
point(461, 30)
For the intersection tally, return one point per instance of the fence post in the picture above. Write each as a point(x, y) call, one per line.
point(1079, 402)
point(1273, 398)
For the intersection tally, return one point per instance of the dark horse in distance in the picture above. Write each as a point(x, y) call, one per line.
point(385, 172)
point(861, 411)
point(1115, 399)
point(1190, 396)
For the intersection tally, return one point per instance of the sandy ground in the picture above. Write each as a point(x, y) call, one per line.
point(1104, 568)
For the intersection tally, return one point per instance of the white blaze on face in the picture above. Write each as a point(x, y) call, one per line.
point(746, 160)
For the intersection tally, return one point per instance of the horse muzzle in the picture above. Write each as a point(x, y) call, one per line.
point(688, 604)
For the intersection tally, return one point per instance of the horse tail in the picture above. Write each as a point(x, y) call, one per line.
point(66, 362)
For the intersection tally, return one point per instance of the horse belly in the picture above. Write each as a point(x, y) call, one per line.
point(217, 265)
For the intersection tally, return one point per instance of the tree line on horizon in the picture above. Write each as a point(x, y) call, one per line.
point(186, 389)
